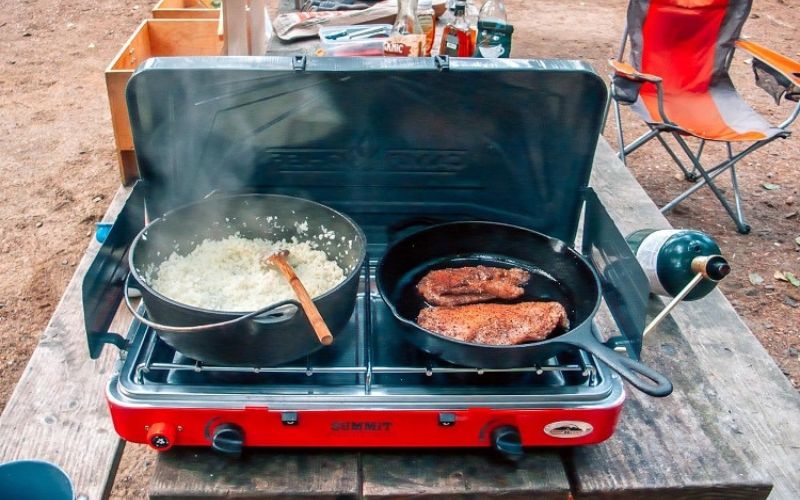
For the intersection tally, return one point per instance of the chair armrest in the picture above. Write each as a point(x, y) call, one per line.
point(786, 66)
point(625, 70)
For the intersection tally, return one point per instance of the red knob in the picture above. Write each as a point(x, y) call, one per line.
point(161, 436)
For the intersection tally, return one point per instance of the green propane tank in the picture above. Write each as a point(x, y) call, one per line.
point(671, 259)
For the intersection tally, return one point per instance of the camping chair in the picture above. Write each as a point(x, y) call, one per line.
point(678, 83)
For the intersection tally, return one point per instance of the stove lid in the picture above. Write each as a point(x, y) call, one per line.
point(503, 140)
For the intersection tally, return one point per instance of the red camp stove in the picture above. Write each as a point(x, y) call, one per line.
point(371, 388)
point(397, 145)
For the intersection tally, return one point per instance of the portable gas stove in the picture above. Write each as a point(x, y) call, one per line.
point(334, 131)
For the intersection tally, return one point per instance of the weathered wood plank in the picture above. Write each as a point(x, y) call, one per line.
point(193, 472)
point(742, 425)
point(58, 410)
point(462, 475)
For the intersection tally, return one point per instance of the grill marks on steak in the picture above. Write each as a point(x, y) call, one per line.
point(496, 324)
point(469, 285)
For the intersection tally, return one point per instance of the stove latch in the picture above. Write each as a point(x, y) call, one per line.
point(289, 418)
point(447, 419)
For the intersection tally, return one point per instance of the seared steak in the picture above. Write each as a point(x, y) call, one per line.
point(468, 285)
point(495, 324)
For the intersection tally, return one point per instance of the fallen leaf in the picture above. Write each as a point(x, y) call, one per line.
point(755, 278)
point(792, 279)
point(770, 186)
point(779, 276)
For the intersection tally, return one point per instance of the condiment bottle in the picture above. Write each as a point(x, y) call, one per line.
point(427, 20)
point(671, 259)
point(494, 32)
point(407, 22)
point(456, 37)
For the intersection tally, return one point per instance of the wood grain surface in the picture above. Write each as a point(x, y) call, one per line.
point(58, 410)
point(462, 475)
point(308, 474)
point(733, 415)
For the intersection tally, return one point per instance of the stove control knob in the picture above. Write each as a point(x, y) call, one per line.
point(507, 441)
point(161, 436)
point(228, 438)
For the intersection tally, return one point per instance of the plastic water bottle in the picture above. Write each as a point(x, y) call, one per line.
point(493, 31)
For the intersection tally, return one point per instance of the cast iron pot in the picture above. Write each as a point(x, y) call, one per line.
point(558, 273)
point(275, 334)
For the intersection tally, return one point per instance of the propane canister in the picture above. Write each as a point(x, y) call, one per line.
point(672, 258)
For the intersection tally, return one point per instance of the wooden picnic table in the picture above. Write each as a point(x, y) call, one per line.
point(729, 430)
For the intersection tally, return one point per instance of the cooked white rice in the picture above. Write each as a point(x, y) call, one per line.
point(226, 275)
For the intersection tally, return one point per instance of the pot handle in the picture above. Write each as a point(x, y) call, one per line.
point(209, 326)
point(639, 375)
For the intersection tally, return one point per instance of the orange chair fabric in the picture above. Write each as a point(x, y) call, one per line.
point(688, 44)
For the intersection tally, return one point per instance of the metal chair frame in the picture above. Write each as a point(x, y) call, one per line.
point(700, 175)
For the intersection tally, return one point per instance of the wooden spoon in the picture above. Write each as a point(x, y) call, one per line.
point(278, 259)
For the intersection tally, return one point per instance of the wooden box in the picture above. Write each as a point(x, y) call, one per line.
point(153, 38)
point(185, 9)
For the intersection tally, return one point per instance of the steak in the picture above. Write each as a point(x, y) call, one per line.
point(495, 324)
point(468, 285)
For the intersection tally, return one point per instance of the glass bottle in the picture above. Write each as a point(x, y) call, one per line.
point(456, 37)
point(448, 15)
point(407, 22)
point(471, 13)
point(427, 20)
point(494, 32)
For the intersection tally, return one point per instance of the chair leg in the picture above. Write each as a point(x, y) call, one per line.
point(708, 177)
point(693, 174)
point(641, 141)
point(737, 196)
point(686, 173)
point(620, 138)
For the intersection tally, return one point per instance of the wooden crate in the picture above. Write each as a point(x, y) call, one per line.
point(185, 9)
point(153, 38)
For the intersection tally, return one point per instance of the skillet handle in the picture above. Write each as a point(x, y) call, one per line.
point(639, 375)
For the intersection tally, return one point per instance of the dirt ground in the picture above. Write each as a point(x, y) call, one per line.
point(58, 170)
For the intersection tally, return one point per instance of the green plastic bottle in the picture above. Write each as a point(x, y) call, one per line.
point(672, 258)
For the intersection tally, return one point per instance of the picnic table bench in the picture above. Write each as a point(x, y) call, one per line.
point(729, 430)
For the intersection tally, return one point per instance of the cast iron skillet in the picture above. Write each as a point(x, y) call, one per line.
point(558, 273)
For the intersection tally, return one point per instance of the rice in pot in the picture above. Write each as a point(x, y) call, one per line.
point(227, 275)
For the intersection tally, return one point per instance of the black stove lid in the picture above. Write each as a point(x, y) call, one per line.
point(504, 140)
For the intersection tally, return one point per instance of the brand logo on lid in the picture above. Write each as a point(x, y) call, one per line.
point(568, 429)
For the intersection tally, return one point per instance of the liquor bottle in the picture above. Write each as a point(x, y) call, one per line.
point(406, 22)
point(671, 259)
point(494, 32)
point(456, 37)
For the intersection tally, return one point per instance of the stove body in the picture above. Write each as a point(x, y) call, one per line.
point(508, 141)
